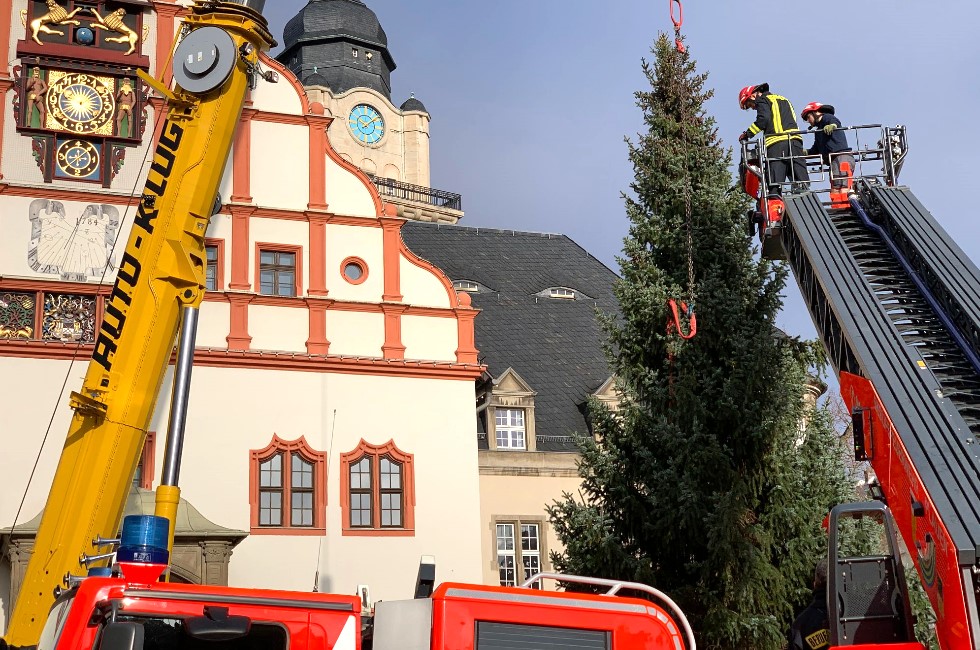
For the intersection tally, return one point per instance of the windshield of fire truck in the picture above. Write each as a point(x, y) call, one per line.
point(54, 625)
point(170, 634)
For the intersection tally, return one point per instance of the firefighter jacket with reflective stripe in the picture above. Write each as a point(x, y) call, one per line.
point(775, 118)
point(811, 629)
point(824, 144)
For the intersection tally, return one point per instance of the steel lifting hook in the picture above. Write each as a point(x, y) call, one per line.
point(675, 324)
point(678, 23)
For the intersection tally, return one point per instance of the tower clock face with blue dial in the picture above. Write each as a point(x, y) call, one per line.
point(366, 124)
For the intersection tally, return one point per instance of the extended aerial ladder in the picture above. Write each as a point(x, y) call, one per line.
point(897, 304)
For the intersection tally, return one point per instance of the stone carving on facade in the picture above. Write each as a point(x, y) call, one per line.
point(57, 15)
point(113, 22)
point(74, 249)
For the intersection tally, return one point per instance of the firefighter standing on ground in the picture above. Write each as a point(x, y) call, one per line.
point(829, 142)
point(811, 629)
point(776, 120)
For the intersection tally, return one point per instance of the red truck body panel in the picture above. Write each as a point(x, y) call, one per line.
point(927, 539)
point(312, 621)
point(629, 623)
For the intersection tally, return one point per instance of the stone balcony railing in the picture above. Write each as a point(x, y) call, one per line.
point(420, 203)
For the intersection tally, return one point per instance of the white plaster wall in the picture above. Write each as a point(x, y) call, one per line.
point(220, 228)
point(17, 31)
point(213, 325)
point(276, 231)
point(433, 339)
point(225, 188)
point(346, 193)
point(28, 403)
point(278, 328)
point(16, 227)
point(357, 241)
point(233, 411)
point(354, 333)
point(280, 173)
point(421, 287)
point(279, 97)
point(304, 404)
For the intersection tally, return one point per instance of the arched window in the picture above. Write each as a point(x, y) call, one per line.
point(287, 488)
point(377, 490)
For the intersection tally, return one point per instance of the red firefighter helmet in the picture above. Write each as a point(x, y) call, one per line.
point(812, 107)
point(816, 106)
point(745, 94)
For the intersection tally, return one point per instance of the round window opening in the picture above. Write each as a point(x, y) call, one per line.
point(354, 271)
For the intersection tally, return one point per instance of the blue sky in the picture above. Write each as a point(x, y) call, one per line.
point(530, 101)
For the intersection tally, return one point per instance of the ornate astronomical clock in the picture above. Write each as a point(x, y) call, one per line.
point(78, 97)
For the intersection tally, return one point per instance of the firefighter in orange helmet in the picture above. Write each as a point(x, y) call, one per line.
point(776, 120)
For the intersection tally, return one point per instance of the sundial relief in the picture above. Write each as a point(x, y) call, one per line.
point(77, 249)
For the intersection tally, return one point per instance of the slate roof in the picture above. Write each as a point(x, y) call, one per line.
point(413, 104)
point(348, 19)
point(319, 38)
point(554, 344)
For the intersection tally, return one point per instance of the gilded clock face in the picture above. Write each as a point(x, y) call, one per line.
point(366, 124)
point(77, 158)
point(80, 103)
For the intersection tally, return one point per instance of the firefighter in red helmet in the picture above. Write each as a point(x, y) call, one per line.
point(776, 120)
point(831, 144)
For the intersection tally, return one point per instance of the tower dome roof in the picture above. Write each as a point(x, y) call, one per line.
point(351, 19)
point(413, 104)
point(343, 41)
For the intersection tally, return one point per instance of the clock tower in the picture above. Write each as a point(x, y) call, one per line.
point(339, 51)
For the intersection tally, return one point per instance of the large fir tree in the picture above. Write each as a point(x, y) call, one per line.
point(702, 483)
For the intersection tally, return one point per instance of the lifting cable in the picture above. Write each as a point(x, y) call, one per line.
point(686, 308)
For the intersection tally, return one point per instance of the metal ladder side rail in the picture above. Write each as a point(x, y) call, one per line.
point(943, 266)
point(914, 319)
point(843, 314)
point(954, 332)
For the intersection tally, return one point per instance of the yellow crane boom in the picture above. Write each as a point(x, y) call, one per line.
point(161, 273)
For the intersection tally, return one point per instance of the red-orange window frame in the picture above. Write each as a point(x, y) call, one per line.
point(376, 453)
point(148, 460)
point(219, 275)
point(278, 248)
point(319, 460)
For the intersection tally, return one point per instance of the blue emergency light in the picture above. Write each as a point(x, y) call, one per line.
point(145, 540)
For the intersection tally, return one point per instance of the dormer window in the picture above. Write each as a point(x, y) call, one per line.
point(561, 292)
point(466, 285)
point(510, 414)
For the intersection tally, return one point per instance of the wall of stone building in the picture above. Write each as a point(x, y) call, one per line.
point(402, 154)
point(517, 486)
